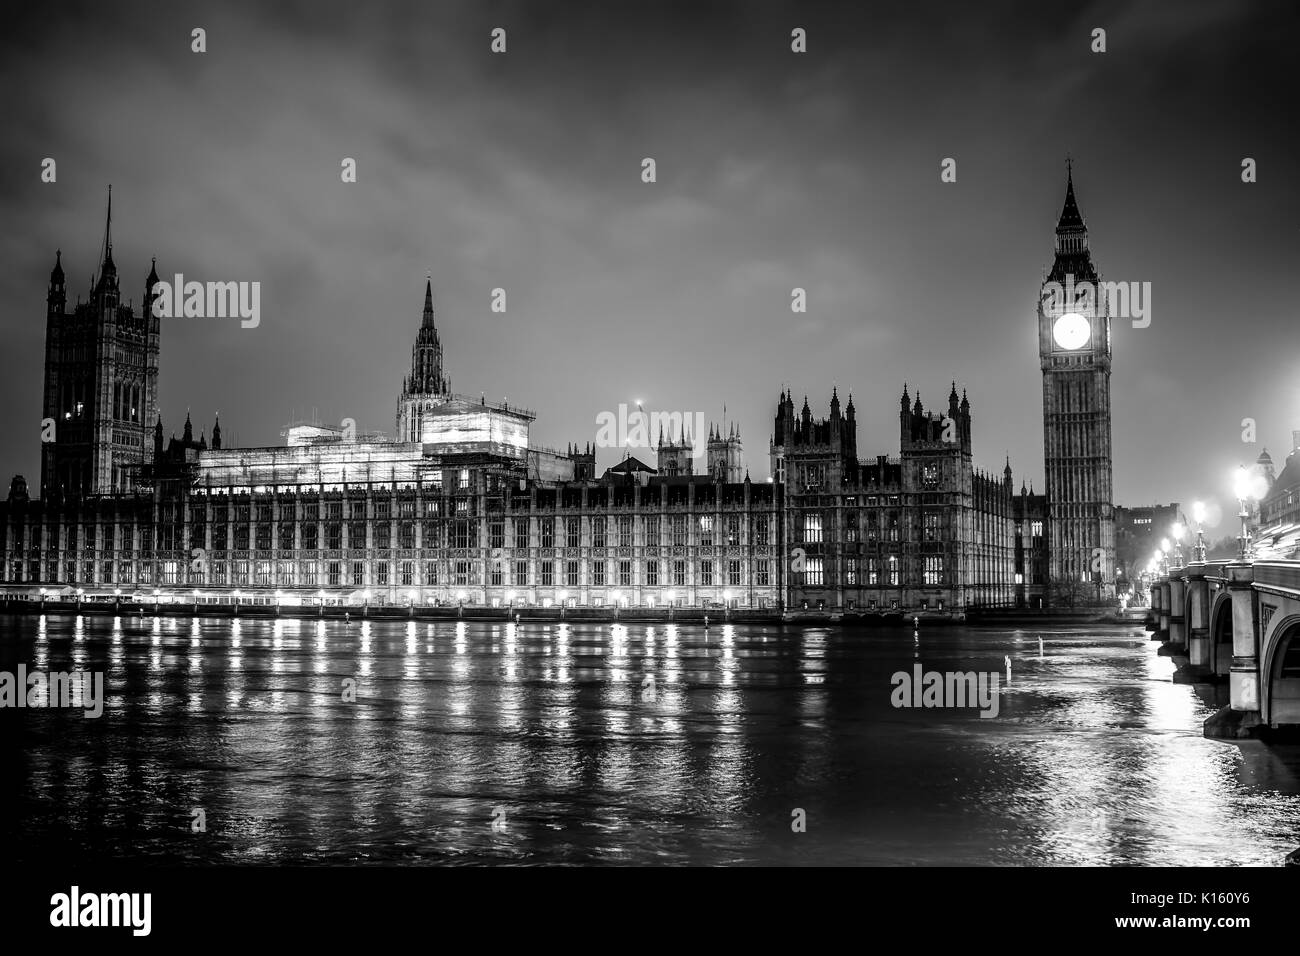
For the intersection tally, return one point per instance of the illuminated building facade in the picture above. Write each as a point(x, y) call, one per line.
point(460, 508)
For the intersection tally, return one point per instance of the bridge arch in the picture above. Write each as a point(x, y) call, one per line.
point(1220, 658)
point(1280, 694)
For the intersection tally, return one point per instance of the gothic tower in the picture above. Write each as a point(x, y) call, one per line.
point(426, 385)
point(675, 457)
point(1074, 350)
point(726, 456)
point(101, 383)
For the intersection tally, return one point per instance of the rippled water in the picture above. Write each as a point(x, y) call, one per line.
point(558, 735)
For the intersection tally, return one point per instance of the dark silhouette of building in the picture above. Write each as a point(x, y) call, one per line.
point(101, 382)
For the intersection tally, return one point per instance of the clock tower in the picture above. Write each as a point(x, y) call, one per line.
point(1074, 353)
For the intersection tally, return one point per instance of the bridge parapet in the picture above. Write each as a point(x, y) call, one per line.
point(1239, 620)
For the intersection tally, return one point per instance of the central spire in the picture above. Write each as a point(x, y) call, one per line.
point(1070, 217)
point(1072, 255)
point(426, 355)
point(107, 270)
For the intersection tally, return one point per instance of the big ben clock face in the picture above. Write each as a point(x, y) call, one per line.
point(1071, 331)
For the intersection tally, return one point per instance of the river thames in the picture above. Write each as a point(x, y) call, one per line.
point(437, 743)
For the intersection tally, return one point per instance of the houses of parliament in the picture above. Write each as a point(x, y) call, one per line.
point(461, 507)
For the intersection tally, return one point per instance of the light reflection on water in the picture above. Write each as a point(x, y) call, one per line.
point(626, 743)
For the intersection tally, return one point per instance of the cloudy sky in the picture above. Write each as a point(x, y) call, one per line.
point(774, 170)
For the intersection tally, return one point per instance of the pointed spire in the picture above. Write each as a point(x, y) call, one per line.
point(108, 226)
point(216, 432)
point(56, 274)
point(152, 279)
point(189, 429)
point(427, 320)
point(1071, 220)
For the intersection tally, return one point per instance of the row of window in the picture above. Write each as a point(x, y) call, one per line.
point(813, 574)
point(354, 573)
point(462, 533)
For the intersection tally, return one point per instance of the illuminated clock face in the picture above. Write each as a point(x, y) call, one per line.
point(1071, 331)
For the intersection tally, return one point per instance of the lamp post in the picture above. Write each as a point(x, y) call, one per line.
point(1198, 515)
point(1178, 531)
point(1242, 489)
point(1164, 555)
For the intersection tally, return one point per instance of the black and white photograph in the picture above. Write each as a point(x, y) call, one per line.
point(597, 436)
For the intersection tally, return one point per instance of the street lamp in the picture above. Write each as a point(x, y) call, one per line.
point(1178, 531)
point(1243, 488)
point(1198, 515)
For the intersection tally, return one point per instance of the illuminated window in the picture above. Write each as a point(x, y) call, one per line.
point(812, 528)
point(706, 530)
point(812, 575)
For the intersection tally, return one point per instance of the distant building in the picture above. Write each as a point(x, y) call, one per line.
point(1138, 532)
point(1281, 506)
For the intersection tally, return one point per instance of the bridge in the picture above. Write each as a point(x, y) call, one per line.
point(1236, 621)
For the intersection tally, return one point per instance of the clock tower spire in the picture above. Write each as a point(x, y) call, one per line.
point(1074, 351)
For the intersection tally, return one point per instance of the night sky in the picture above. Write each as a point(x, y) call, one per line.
point(775, 170)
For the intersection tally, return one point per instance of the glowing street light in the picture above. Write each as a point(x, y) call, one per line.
point(1245, 486)
point(1198, 515)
